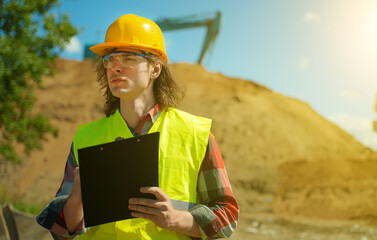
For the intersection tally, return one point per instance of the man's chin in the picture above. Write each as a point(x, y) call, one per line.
point(125, 94)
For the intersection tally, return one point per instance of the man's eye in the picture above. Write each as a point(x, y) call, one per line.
point(129, 58)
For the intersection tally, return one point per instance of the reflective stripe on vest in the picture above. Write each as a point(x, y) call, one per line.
point(183, 142)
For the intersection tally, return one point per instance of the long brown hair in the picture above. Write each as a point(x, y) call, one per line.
point(167, 91)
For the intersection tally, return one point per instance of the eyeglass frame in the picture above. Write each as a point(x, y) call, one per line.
point(134, 53)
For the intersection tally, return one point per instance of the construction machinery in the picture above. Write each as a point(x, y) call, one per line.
point(209, 20)
point(88, 53)
point(15, 225)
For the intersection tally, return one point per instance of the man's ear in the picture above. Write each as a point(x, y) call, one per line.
point(156, 70)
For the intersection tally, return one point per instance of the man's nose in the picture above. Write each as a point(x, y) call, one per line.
point(116, 66)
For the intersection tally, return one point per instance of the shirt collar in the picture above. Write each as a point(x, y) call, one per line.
point(153, 113)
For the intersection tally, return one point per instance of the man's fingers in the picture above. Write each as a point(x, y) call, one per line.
point(160, 195)
point(145, 216)
point(144, 209)
point(157, 204)
point(142, 201)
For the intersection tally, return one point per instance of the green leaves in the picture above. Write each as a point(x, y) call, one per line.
point(31, 37)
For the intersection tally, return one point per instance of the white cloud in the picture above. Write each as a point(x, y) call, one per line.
point(311, 17)
point(360, 128)
point(349, 94)
point(74, 46)
point(303, 62)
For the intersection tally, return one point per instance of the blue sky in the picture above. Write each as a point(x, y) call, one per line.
point(323, 52)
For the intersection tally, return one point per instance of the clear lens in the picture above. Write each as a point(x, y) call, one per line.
point(124, 59)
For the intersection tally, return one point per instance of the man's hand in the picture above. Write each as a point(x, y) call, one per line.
point(162, 212)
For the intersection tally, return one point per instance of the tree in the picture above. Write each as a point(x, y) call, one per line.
point(31, 37)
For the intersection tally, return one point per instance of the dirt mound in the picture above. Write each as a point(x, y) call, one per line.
point(330, 189)
point(261, 135)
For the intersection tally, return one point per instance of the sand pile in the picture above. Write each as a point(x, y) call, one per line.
point(281, 156)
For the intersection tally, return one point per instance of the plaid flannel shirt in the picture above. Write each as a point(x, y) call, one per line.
point(216, 213)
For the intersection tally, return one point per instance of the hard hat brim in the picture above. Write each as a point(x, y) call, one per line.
point(103, 48)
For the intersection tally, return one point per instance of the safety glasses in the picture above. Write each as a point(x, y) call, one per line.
point(124, 59)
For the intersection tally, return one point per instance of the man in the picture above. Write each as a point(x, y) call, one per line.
point(194, 197)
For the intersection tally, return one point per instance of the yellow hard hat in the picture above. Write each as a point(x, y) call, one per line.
point(131, 31)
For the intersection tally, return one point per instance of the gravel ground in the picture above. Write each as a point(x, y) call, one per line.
point(254, 226)
point(261, 226)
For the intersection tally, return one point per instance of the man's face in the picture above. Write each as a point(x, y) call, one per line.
point(128, 75)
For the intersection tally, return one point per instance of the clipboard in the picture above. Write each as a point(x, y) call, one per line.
point(112, 173)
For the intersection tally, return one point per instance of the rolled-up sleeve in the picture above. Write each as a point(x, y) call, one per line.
point(217, 213)
point(52, 217)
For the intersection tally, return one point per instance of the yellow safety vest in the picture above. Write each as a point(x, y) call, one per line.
point(183, 142)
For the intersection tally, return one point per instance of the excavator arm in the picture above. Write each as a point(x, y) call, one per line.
point(212, 24)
